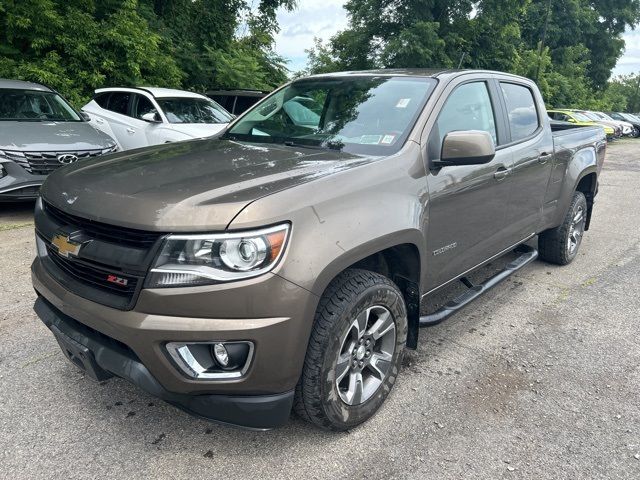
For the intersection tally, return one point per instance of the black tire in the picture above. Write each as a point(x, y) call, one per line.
point(560, 245)
point(353, 294)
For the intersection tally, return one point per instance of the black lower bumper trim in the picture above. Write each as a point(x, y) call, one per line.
point(108, 356)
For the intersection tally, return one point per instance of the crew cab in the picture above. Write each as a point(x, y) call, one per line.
point(279, 267)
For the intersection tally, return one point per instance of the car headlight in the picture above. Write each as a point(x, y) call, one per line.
point(205, 259)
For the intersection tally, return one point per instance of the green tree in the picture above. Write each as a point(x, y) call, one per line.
point(77, 46)
point(568, 46)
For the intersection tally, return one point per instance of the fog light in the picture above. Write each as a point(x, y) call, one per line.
point(221, 355)
point(212, 360)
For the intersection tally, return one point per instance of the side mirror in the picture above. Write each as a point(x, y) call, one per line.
point(151, 117)
point(85, 116)
point(469, 147)
point(572, 120)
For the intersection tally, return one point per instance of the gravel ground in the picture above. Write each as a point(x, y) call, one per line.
point(538, 379)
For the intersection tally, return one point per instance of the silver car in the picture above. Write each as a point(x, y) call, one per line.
point(39, 132)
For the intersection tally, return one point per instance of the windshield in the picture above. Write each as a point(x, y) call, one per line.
point(35, 106)
point(630, 117)
point(581, 118)
point(591, 117)
point(604, 116)
point(193, 110)
point(370, 115)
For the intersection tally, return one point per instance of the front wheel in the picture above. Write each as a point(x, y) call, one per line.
point(354, 352)
point(560, 245)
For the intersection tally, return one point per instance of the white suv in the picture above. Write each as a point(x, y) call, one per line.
point(139, 117)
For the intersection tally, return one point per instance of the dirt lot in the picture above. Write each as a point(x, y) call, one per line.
point(539, 379)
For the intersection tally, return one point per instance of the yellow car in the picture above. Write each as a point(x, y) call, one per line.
point(578, 118)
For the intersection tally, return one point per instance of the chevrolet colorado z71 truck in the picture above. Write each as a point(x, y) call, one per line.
point(282, 264)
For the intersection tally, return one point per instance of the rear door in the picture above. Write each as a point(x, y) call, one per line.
point(531, 147)
point(467, 204)
point(116, 112)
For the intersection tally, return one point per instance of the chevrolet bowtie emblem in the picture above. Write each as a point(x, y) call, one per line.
point(65, 246)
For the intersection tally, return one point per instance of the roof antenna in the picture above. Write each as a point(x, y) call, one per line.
point(461, 59)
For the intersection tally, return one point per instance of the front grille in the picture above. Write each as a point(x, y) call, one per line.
point(102, 231)
point(43, 163)
point(109, 267)
point(88, 273)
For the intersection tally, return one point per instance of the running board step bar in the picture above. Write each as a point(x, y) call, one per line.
point(528, 255)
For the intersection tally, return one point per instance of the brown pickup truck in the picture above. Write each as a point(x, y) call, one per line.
point(282, 264)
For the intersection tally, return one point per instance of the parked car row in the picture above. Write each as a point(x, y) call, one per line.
point(41, 131)
point(615, 124)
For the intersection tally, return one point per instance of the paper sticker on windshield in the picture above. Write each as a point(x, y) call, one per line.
point(403, 103)
point(370, 139)
point(388, 139)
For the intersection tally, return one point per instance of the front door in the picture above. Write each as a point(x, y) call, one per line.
point(467, 204)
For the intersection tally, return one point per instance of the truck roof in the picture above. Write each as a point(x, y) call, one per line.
point(411, 72)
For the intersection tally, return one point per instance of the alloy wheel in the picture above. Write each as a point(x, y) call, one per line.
point(365, 355)
point(576, 230)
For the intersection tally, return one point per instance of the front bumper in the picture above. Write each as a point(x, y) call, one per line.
point(103, 357)
point(18, 184)
point(249, 310)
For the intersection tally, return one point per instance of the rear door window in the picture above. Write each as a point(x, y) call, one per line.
point(521, 110)
point(102, 99)
point(119, 102)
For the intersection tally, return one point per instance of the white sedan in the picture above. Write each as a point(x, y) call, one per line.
point(139, 117)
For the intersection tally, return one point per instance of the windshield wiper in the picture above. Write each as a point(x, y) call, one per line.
point(324, 146)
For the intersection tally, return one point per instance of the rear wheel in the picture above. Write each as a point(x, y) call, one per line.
point(560, 245)
point(355, 351)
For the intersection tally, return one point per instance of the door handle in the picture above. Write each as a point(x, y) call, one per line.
point(544, 157)
point(100, 121)
point(502, 173)
point(131, 130)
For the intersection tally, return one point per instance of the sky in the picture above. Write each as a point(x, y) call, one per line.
point(323, 18)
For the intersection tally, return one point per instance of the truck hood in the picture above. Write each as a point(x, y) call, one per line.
point(197, 185)
point(51, 136)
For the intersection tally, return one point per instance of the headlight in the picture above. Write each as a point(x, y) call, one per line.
point(190, 260)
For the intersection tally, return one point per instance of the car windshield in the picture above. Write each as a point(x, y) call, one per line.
point(580, 117)
point(35, 106)
point(591, 117)
point(604, 116)
point(193, 110)
point(357, 114)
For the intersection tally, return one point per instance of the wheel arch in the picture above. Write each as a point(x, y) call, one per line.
point(588, 185)
point(399, 260)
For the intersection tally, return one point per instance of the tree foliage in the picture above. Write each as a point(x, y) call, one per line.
point(568, 46)
point(77, 46)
